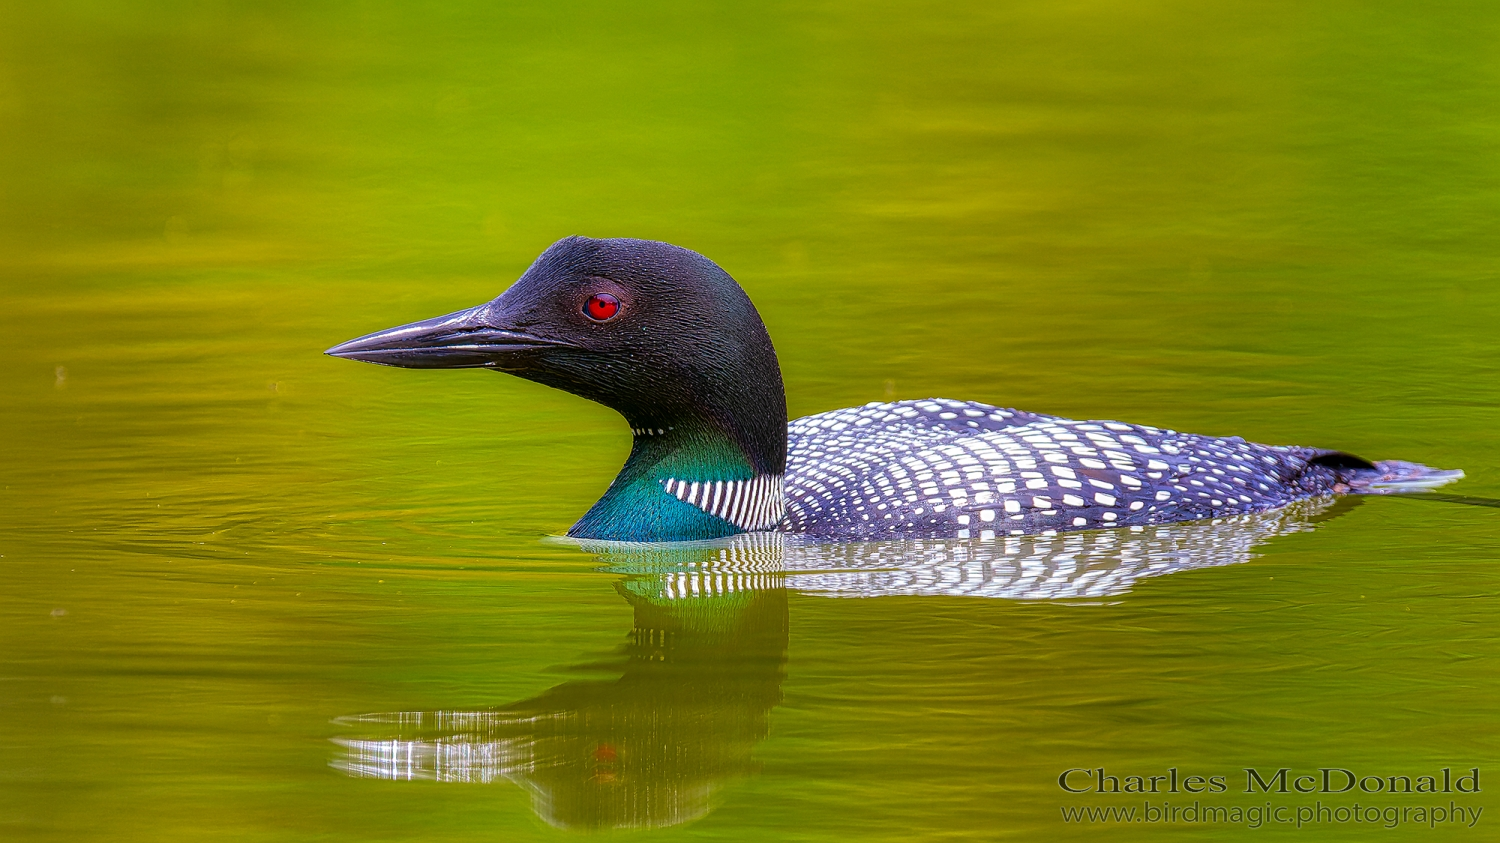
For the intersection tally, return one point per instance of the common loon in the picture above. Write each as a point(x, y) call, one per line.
point(668, 339)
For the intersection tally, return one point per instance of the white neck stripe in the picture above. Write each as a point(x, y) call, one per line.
point(755, 504)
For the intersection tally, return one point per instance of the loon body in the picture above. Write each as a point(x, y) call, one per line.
point(665, 337)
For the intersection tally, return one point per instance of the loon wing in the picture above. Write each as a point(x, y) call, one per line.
point(915, 420)
point(956, 469)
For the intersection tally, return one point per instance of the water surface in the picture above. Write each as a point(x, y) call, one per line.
point(242, 579)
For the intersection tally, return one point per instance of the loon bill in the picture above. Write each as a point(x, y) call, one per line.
point(666, 338)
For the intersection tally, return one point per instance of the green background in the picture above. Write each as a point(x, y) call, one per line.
point(1276, 220)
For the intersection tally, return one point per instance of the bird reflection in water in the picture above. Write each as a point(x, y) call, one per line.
point(707, 652)
point(648, 749)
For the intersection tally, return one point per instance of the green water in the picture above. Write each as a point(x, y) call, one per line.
point(228, 564)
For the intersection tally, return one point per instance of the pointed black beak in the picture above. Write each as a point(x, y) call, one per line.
point(468, 339)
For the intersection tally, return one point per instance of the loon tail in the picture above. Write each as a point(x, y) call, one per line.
point(1394, 477)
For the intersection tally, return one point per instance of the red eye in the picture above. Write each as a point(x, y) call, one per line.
point(602, 307)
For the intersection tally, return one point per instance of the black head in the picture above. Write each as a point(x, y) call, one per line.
point(659, 333)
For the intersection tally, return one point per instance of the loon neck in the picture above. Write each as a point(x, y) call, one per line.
point(689, 479)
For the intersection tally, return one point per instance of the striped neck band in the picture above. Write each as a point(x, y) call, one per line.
point(755, 504)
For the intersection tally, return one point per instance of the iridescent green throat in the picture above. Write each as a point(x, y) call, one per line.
point(683, 482)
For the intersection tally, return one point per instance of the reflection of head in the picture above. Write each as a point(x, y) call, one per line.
point(650, 749)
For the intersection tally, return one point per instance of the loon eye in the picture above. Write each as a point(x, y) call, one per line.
point(602, 307)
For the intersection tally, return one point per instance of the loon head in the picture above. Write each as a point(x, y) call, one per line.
point(660, 334)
